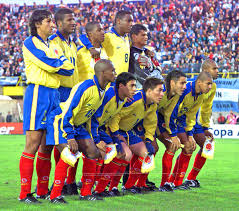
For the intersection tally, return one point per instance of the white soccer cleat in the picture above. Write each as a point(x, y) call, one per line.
point(111, 153)
point(148, 164)
point(68, 157)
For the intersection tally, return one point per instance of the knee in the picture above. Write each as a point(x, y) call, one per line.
point(31, 146)
point(93, 153)
point(128, 156)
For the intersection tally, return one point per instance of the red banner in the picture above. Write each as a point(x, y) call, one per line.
point(11, 128)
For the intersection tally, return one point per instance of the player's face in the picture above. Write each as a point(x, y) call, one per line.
point(45, 28)
point(205, 86)
point(156, 94)
point(110, 74)
point(126, 23)
point(129, 89)
point(99, 33)
point(213, 70)
point(141, 38)
point(180, 86)
point(68, 23)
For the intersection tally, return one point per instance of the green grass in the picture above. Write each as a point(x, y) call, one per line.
point(219, 184)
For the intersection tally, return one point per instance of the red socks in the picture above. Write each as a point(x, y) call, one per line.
point(175, 169)
point(57, 155)
point(167, 166)
point(135, 172)
point(88, 175)
point(197, 166)
point(116, 178)
point(142, 180)
point(182, 168)
point(59, 180)
point(99, 168)
point(26, 166)
point(108, 173)
point(71, 177)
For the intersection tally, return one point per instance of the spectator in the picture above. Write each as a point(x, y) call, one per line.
point(9, 117)
point(2, 118)
point(221, 119)
point(231, 118)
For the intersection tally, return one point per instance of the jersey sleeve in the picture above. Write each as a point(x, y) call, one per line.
point(85, 41)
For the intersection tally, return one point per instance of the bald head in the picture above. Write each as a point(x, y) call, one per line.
point(204, 76)
point(102, 65)
point(211, 67)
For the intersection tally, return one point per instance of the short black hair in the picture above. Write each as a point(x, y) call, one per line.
point(37, 16)
point(121, 14)
point(151, 83)
point(203, 76)
point(173, 75)
point(60, 14)
point(136, 29)
point(90, 26)
point(124, 78)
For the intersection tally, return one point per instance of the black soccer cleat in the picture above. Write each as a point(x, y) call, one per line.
point(30, 199)
point(167, 187)
point(181, 187)
point(149, 183)
point(71, 189)
point(59, 200)
point(147, 189)
point(79, 185)
point(103, 194)
point(46, 196)
point(114, 192)
point(133, 190)
point(192, 183)
point(90, 198)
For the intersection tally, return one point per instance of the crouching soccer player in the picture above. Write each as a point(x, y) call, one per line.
point(142, 107)
point(115, 98)
point(201, 129)
point(43, 67)
point(67, 127)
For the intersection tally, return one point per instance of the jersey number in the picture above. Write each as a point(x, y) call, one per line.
point(126, 58)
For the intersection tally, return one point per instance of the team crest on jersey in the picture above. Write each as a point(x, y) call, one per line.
point(140, 128)
point(56, 51)
point(164, 125)
point(208, 146)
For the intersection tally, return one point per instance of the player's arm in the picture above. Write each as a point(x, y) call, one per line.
point(84, 40)
point(53, 65)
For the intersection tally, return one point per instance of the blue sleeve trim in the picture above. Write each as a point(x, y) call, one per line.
point(190, 133)
point(205, 128)
point(41, 55)
point(85, 41)
point(65, 72)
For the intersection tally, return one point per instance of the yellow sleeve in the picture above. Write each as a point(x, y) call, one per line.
point(150, 123)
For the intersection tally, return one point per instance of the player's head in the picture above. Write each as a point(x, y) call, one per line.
point(95, 32)
point(41, 23)
point(204, 82)
point(126, 84)
point(105, 71)
point(65, 20)
point(210, 66)
point(124, 21)
point(175, 82)
point(138, 34)
point(153, 88)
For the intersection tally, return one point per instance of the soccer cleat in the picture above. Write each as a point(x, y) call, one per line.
point(146, 189)
point(111, 153)
point(90, 198)
point(181, 187)
point(71, 189)
point(103, 194)
point(79, 185)
point(46, 196)
point(134, 190)
point(148, 164)
point(30, 199)
point(68, 157)
point(149, 183)
point(58, 200)
point(168, 187)
point(192, 183)
point(114, 192)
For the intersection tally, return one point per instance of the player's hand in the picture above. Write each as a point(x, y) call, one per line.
point(176, 144)
point(150, 53)
point(129, 100)
point(94, 53)
point(143, 60)
point(149, 147)
point(73, 145)
point(192, 142)
point(208, 134)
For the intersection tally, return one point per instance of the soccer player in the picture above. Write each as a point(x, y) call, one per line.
point(115, 97)
point(143, 106)
point(67, 128)
point(85, 62)
point(185, 115)
point(140, 64)
point(116, 42)
point(65, 21)
point(201, 129)
point(43, 67)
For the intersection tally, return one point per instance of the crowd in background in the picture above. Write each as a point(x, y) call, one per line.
point(183, 32)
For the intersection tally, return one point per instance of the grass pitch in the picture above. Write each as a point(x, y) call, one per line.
point(219, 184)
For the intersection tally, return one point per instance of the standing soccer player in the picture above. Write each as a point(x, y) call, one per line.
point(43, 67)
point(201, 129)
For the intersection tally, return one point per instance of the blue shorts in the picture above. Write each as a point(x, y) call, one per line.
point(131, 137)
point(181, 124)
point(39, 101)
point(139, 129)
point(161, 123)
point(64, 93)
point(197, 129)
point(104, 136)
